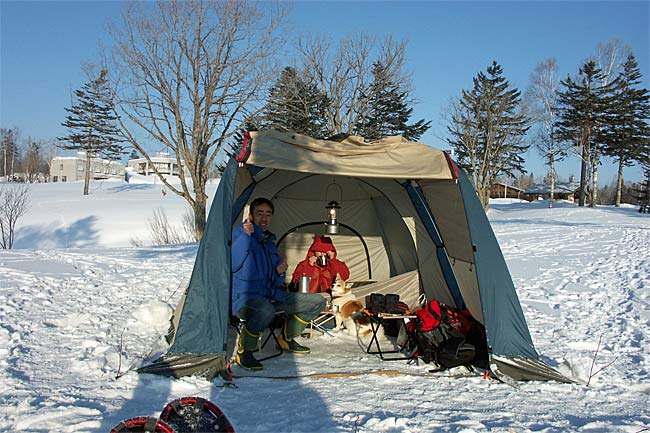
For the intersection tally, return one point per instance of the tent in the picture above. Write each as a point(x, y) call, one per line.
point(408, 214)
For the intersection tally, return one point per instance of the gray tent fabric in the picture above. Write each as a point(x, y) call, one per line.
point(199, 345)
point(411, 224)
point(506, 328)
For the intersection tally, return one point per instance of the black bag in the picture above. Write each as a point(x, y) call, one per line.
point(392, 302)
point(454, 352)
point(376, 303)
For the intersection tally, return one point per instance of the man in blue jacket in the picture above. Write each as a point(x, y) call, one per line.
point(257, 290)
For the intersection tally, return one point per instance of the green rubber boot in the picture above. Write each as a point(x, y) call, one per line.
point(293, 327)
point(244, 356)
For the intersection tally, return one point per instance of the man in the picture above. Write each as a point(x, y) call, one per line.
point(257, 291)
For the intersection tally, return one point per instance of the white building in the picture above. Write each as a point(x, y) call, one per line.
point(162, 161)
point(73, 168)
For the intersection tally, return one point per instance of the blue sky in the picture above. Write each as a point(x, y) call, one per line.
point(44, 43)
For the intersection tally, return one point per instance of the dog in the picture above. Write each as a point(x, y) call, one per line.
point(349, 310)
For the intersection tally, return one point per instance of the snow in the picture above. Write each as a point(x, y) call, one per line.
point(75, 294)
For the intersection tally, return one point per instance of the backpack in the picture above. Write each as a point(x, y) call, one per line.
point(438, 337)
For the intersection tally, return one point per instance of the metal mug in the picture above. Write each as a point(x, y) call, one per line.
point(304, 283)
point(322, 260)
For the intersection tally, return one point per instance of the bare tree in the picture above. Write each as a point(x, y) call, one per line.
point(50, 150)
point(14, 203)
point(343, 74)
point(191, 73)
point(9, 152)
point(609, 58)
point(34, 163)
point(541, 97)
point(458, 117)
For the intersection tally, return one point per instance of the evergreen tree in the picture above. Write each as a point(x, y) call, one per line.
point(389, 111)
point(581, 105)
point(134, 154)
point(295, 105)
point(91, 123)
point(625, 133)
point(487, 130)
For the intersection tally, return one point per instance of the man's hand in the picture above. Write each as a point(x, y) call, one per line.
point(248, 226)
point(312, 260)
point(282, 267)
point(331, 255)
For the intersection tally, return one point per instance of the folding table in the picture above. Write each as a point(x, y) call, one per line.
point(376, 320)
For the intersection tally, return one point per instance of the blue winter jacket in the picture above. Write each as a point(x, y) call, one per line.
point(253, 264)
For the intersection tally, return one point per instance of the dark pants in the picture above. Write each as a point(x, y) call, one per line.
point(258, 313)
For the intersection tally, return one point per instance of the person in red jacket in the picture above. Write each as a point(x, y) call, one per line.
point(322, 275)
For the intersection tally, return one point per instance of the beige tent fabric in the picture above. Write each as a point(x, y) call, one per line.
point(406, 285)
point(391, 157)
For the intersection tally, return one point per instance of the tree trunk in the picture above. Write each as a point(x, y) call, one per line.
point(551, 164)
point(199, 208)
point(583, 177)
point(87, 176)
point(619, 183)
point(484, 197)
point(594, 178)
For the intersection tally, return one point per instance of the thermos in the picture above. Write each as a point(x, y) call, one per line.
point(304, 283)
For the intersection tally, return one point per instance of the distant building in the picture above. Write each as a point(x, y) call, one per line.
point(501, 190)
point(73, 168)
point(161, 161)
point(563, 190)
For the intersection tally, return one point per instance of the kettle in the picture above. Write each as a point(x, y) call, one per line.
point(304, 283)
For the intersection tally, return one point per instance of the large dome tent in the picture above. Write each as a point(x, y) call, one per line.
point(409, 214)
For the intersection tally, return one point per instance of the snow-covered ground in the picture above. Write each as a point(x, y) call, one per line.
point(75, 293)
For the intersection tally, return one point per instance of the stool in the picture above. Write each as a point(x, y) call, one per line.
point(277, 322)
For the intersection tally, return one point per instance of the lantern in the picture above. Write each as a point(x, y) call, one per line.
point(332, 223)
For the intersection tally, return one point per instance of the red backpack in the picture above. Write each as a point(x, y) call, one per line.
point(438, 335)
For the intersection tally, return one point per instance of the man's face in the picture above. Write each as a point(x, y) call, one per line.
point(262, 215)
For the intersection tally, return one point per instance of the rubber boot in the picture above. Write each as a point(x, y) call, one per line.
point(293, 327)
point(247, 343)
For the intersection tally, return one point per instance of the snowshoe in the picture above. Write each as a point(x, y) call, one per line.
point(195, 414)
point(142, 424)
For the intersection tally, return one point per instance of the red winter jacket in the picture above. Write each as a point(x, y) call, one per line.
point(322, 277)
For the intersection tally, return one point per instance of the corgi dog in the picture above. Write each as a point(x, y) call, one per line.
point(349, 310)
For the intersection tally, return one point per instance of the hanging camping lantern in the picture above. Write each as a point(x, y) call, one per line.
point(332, 222)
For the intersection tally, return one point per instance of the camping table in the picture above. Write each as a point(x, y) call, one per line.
point(376, 321)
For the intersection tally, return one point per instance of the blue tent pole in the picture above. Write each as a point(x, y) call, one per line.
point(425, 214)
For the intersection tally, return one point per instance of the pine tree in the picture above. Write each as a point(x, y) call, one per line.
point(91, 123)
point(389, 111)
point(487, 131)
point(626, 134)
point(581, 105)
point(295, 105)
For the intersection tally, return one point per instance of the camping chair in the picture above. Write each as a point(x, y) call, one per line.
point(276, 323)
point(320, 322)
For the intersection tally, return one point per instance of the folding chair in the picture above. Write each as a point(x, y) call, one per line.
point(319, 323)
